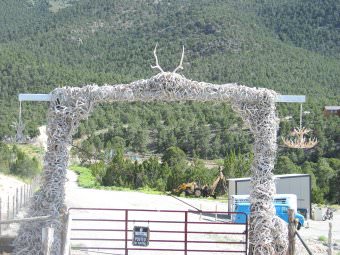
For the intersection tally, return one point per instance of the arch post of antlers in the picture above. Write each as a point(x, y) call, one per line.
point(69, 105)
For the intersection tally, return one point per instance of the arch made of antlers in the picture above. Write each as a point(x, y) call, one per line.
point(70, 105)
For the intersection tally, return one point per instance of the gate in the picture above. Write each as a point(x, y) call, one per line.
point(159, 232)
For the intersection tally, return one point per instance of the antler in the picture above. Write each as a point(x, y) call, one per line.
point(180, 63)
point(157, 65)
point(300, 141)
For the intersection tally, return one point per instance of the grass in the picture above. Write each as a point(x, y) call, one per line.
point(85, 178)
point(322, 238)
point(146, 190)
point(149, 190)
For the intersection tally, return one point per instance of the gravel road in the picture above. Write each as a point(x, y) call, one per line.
point(79, 197)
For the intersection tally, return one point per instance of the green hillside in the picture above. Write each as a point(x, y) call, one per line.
point(289, 46)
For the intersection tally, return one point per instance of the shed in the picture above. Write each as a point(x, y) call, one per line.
point(298, 184)
point(331, 110)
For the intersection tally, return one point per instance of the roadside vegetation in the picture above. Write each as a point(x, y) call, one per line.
point(15, 161)
point(291, 47)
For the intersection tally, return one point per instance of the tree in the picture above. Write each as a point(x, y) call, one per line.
point(140, 140)
point(334, 194)
point(174, 156)
point(175, 159)
point(115, 171)
point(216, 146)
point(324, 173)
point(153, 171)
point(237, 164)
point(197, 172)
point(5, 158)
point(203, 141)
point(285, 165)
point(24, 166)
point(98, 170)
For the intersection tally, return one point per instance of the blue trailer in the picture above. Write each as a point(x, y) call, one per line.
point(281, 211)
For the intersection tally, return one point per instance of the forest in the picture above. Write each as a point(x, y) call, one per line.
point(289, 46)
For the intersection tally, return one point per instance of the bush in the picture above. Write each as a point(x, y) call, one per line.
point(322, 239)
point(85, 178)
point(24, 166)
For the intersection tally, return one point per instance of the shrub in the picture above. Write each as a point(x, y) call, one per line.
point(85, 178)
point(322, 239)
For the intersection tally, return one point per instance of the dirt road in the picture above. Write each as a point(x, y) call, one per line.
point(79, 197)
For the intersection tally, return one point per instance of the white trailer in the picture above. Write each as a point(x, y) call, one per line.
point(298, 184)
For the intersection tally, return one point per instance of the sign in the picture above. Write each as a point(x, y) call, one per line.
point(140, 236)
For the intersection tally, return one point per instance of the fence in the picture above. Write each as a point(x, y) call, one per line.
point(134, 231)
point(6, 242)
point(11, 204)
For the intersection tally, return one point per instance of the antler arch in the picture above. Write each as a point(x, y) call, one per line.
point(70, 105)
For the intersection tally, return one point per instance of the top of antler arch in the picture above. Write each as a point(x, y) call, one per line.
point(180, 63)
point(180, 66)
point(157, 65)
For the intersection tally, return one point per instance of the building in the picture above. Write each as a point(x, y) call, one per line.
point(298, 184)
point(331, 110)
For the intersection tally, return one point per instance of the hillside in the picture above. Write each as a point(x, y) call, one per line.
point(289, 46)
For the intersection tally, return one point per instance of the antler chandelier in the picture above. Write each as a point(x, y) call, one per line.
point(300, 141)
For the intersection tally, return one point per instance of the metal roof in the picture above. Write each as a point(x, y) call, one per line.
point(332, 108)
point(275, 176)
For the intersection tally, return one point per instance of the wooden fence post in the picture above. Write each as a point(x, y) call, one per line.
point(330, 248)
point(17, 200)
point(21, 197)
point(13, 209)
point(200, 211)
point(8, 207)
point(24, 190)
point(0, 214)
point(67, 228)
point(27, 194)
point(215, 212)
point(291, 232)
point(47, 240)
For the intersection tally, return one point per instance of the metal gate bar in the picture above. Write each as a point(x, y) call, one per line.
point(127, 218)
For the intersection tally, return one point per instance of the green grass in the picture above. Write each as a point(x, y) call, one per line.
point(116, 188)
point(146, 190)
point(149, 190)
point(322, 238)
point(85, 178)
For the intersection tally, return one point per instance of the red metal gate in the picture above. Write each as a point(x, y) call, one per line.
point(111, 231)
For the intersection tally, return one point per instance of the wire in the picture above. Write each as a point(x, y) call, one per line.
point(93, 156)
point(185, 203)
point(101, 252)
